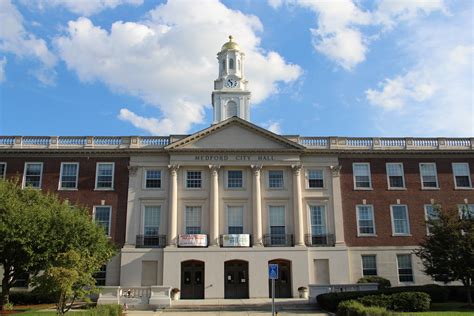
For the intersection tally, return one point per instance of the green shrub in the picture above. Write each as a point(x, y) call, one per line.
point(381, 300)
point(410, 302)
point(383, 283)
point(31, 298)
point(330, 301)
point(458, 293)
point(355, 308)
point(105, 310)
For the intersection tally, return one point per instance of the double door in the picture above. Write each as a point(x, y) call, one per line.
point(236, 282)
point(283, 283)
point(192, 279)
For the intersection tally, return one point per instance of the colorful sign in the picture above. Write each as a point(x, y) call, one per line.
point(236, 240)
point(192, 240)
point(273, 271)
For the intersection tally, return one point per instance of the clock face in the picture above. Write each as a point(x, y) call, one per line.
point(231, 83)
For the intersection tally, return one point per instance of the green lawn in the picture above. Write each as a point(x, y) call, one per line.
point(446, 309)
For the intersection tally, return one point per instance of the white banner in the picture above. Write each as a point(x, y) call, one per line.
point(236, 240)
point(192, 240)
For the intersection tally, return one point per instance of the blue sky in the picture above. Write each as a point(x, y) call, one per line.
point(315, 68)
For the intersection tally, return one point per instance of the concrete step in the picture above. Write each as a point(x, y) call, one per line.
point(240, 305)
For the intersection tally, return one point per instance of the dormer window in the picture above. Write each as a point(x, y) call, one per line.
point(231, 63)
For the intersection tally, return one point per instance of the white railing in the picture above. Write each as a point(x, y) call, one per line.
point(318, 143)
point(317, 289)
point(148, 297)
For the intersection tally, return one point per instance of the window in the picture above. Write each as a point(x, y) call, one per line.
point(3, 170)
point(104, 176)
point(405, 271)
point(276, 218)
point(462, 177)
point(22, 280)
point(152, 179)
point(151, 225)
point(395, 175)
point(431, 213)
point(429, 175)
point(365, 220)
point(318, 220)
point(231, 63)
point(400, 224)
point(466, 211)
point(102, 217)
point(234, 179)
point(369, 265)
point(100, 276)
point(69, 175)
point(275, 179)
point(33, 175)
point(193, 179)
point(361, 175)
point(315, 179)
point(235, 219)
point(193, 220)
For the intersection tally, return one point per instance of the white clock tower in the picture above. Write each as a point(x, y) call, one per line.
point(230, 96)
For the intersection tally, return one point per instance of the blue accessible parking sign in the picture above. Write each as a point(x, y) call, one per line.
point(273, 271)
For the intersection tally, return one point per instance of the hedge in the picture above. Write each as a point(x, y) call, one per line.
point(106, 310)
point(330, 301)
point(402, 302)
point(383, 283)
point(355, 308)
point(31, 298)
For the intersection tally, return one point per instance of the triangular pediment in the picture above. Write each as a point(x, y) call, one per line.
point(234, 134)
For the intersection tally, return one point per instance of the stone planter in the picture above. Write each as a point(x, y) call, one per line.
point(175, 296)
point(303, 293)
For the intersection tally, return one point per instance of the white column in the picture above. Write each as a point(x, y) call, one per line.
point(337, 204)
point(298, 206)
point(173, 207)
point(214, 201)
point(257, 207)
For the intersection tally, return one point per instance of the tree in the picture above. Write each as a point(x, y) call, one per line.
point(447, 253)
point(35, 227)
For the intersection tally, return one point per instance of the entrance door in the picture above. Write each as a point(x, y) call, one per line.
point(283, 283)
point(236, 282)
point(192, 279)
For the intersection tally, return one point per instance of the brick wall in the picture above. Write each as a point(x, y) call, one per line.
point(85, 195)
point(414, 197)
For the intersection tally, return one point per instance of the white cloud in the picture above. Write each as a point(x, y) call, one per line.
point(273, 126)
point(83, 7)
point(169, 59)
point(16, 40)
point(340, 35)
point(3, 63)
point(434, 97)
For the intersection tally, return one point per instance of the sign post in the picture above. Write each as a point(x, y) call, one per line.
point(273, 275)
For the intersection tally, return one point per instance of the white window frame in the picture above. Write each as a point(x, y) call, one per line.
point(436, 176)
point(307, 178)
point(143, 216)
point(145, 170)
point(354, 176)
point(460, 206)
point(186, 179)
point(283, 179)
point(4, 175)
point(425, 207)
point(110, 216)
point(468, 175)
point(403, 187)
point(393, 223)
point(60, 186)
point(310, 223)
point(242, 206)
point(97, 176)
point(398, 269)
point(284, 212)
point(362, 265)
point(227, 179)
point(359, 234)
point(200, 220)
point(24, 174)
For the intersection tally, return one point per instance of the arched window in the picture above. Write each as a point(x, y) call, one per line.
point(231, 109)
point(238, 64)
point(223, 65)
point(231, 63)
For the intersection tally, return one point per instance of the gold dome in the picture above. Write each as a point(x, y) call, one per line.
point(230, 45)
